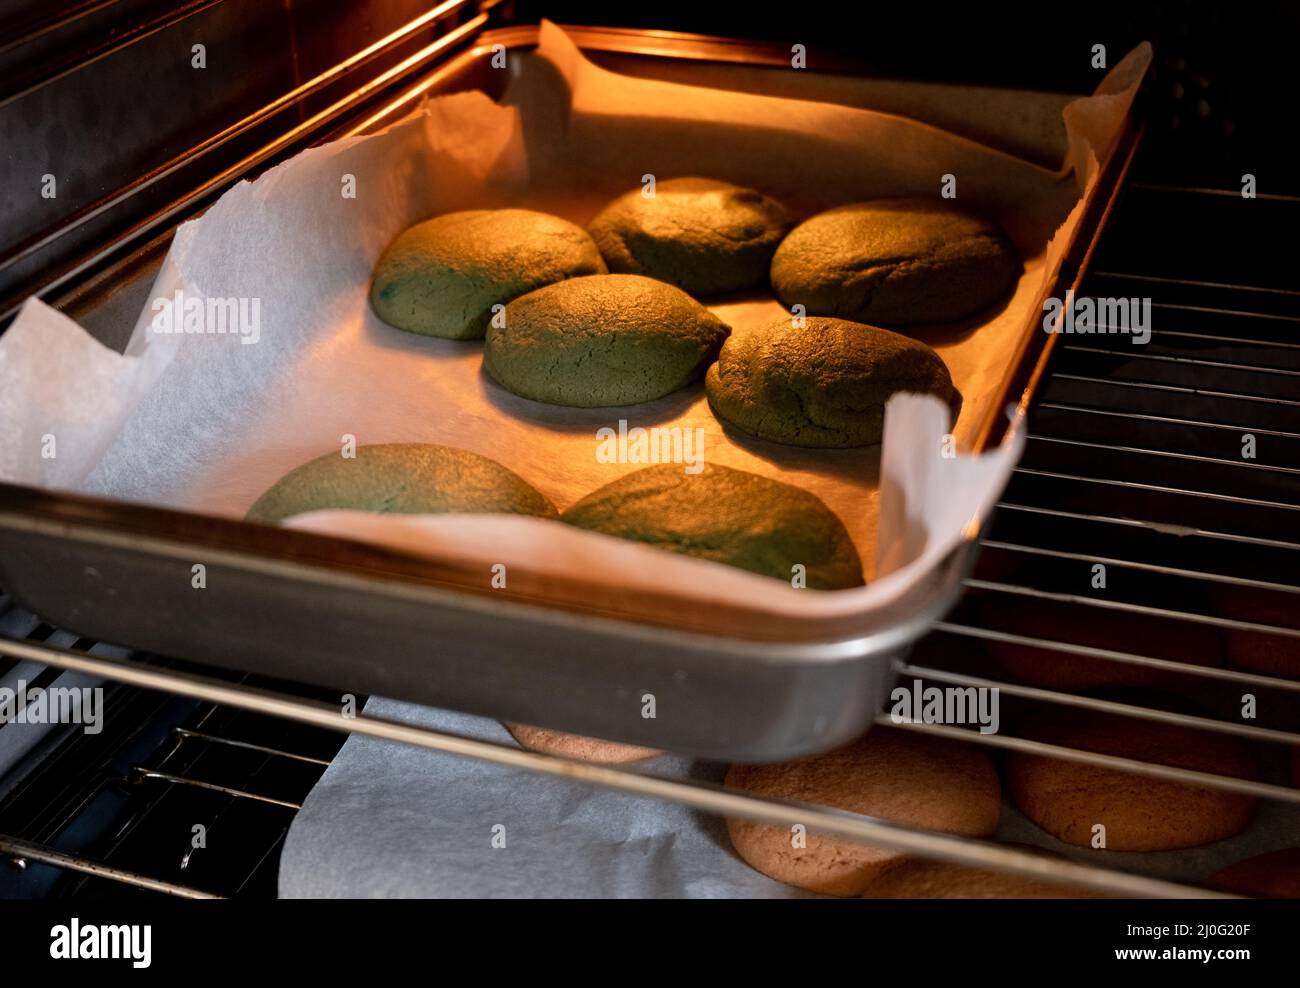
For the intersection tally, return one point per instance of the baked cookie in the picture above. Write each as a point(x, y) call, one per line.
point(442, 277)
point(823, 384)
point(894, 262)
point(699, 234)
point(897, 775)
point(917, 878)
point(1113, 630)
point(617, 339)
point(728, 516)
point(1067, 799)
point(1260, 651)
point(577, 746)
point(401, 478)
point(1275, 875)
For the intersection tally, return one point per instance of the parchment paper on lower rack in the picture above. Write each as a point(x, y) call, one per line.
point(206, 422)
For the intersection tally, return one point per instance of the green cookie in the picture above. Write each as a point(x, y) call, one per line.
point(729, 516)
point(699, 234)
point(401, 478)
point(614, 339)
point(894, 262)
point(442, 277)
point(823, 385)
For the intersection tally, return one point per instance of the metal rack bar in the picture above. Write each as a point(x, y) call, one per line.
point(1157, 279)
point(1120, 605)
point(1194, 361)
point(215, 739)
point(258, 863)
point(1144, 417)
point(1134, 485)
point(1165, 453)
point(1182, 334)
point(180, 780)
point(1152, 525)
point(1102, 706)
point(1240, 341)
point(138, 818)
point(1202, 190)
point(1132, 766)
point(1236, 313)
point(1126, 658)
point(22, 852)
point(1132, 564)
point(1177, 388)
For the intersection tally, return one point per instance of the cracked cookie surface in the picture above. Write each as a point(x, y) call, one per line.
point(604, 340)
point(821, 385)
point(704, 236)
point(401, 478)
point(442, 277)
point(894, 262)
point(729, 516)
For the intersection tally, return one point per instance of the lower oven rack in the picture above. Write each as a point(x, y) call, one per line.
point(697, 795)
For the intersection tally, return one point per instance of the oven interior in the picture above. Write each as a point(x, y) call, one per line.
point(1134, 459)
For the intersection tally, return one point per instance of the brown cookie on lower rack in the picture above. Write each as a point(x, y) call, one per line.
point(584, 749)
point(898, 775)
point(1268, 653)
point(1109, 630)
point(1069, 799)
point(922, 879)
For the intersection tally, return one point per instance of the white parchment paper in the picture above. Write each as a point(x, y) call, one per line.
point(207, 422)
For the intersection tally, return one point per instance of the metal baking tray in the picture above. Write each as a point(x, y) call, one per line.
point(730, 682)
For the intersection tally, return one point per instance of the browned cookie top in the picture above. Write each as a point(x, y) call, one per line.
point(702, 235)
point(822, 383)
point(894, 262)
point(894, 774)
point(1070, 799)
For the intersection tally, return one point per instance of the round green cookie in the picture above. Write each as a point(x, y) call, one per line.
point(699, 234)
point(894, 262)
point(615, 339)
point(823, 385)
point(729, 516)
point(442, 277)
point(401, 478)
